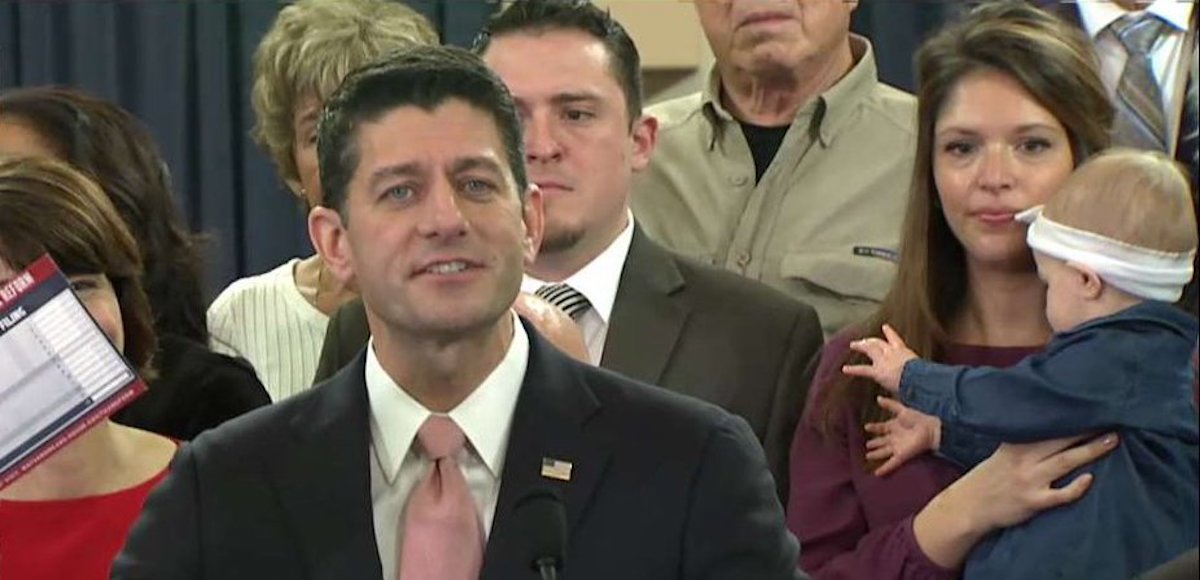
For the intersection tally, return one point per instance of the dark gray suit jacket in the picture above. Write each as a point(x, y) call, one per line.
point(663, 487)
point(692, 329)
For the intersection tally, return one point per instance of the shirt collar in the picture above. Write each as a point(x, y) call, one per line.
point(599, 279)
point(838, 102)
point(1096, 17)
point(843, 98)
point(485, 416)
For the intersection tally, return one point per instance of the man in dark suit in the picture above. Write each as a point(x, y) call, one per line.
point(645, 312)
point(1150, 45)
point(413, 461)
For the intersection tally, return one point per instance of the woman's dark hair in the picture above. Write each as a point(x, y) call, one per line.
point(113, 148)
point(47, 207)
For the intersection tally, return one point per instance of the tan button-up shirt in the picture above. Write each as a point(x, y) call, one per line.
point(823, 224)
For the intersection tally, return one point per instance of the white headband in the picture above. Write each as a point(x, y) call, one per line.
point(1143, 272)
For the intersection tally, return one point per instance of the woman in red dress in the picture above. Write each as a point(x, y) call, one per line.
point(69, 515)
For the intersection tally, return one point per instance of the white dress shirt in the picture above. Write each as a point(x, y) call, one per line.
point(485, 418)
point(598, 282)
point(1167, 56)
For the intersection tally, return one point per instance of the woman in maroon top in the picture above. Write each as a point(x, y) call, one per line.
point(1009, 103)
point(69, 515)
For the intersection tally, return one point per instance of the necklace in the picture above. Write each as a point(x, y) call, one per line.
point(320, 283)
point(310, 291)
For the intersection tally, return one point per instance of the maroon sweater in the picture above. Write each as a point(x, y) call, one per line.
point(850, 523)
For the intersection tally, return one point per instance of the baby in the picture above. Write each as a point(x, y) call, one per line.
point(1114, 247)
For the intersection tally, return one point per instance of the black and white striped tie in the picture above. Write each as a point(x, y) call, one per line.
point(565, 298)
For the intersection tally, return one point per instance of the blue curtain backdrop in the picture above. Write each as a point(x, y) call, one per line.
point(184, 68)
point(896, 28)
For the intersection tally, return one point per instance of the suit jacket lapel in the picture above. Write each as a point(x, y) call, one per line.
point(323, 480)
point(646, 320)
point(549, 422)
point(1186, 146)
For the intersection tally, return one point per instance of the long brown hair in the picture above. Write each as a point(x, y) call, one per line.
point(46, 206)
point(1054, 62)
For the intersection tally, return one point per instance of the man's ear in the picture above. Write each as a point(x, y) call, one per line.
point(328, 236)
point(534, 215)
point(1089, 284)
point(645, 137)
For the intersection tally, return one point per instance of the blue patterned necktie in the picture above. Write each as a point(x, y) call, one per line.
point(1140, 121)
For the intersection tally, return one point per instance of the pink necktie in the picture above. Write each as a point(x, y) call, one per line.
point(443, 536)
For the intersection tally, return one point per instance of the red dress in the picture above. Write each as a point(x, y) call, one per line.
point(73, 538)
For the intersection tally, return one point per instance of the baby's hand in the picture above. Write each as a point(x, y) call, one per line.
point(906, 435)
point(887, 359)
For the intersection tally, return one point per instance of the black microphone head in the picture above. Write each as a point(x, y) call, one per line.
point(542, 521)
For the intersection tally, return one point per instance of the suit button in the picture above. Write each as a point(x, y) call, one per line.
point(743, 259)
point(738, 180)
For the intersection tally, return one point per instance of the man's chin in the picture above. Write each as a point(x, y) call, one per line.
point(769, 57)
point(438, 319)
point(561, 241)
point(456, 327)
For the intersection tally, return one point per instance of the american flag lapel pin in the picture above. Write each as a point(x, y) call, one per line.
point(556, 469)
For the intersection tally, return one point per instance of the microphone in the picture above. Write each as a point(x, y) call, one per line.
point(543, 521)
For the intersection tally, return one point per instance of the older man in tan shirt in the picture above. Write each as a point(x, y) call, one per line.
point(792, 166)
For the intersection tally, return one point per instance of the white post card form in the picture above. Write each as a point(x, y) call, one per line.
point(59, 374)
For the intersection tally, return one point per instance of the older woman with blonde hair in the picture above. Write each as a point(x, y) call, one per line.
point(69, 515)
point(277, 320)
point(1009, 103)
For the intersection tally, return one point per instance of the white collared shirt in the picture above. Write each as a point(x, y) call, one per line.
point(598, 282)
point(396, 468)
point(1165, 55)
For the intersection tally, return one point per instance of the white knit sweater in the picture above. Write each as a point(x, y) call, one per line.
point(266, 320)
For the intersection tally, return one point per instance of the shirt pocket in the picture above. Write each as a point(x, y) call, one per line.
point(840, 273)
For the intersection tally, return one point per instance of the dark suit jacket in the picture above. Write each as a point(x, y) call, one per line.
point(663, 487)
point(692, 329)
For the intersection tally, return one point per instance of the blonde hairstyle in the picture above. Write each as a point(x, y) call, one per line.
point(47, 207)
point(310, 48)
point(1138, 197)
point(1054, 62)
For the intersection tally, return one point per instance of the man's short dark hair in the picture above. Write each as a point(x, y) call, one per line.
point(424, 77)
point(539, 16)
